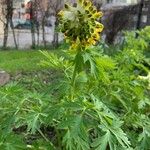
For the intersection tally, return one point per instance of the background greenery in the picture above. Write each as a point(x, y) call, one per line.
point(35, 112)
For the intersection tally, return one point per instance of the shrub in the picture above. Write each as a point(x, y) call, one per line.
point(101, 102)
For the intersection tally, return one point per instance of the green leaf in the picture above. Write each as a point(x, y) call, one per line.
point(42, 145)
point(53, 60)
point(33, 122)
point(144, 139)
point(103, 142)
point(11, 142)
point(76, 137)
point(105, 63)
point(89, 60)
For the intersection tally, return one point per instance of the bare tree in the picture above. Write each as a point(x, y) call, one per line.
point(32, 10)
point(41, 13)
point(41, 9)
point(6, 18)
point(36, 16)
point(141, 4)
point(55, 7)
point(12, 25)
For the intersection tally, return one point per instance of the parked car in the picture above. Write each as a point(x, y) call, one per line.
point(23, 25)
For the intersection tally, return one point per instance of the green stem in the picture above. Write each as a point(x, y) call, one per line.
point(58, 138)
point(73, 83)
point(45, 138)
point(73, 77)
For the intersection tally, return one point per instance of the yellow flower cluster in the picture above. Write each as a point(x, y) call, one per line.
point(80, 24)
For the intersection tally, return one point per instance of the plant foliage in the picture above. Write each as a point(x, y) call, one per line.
point(100, 102)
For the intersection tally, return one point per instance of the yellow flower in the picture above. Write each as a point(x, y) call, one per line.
point(91, 41)
point(80, 26)
point(67, 7)
point(81, 2)
point(96, 36)
point(99, 25)
point(87, 4)
point(97, 15)
point(98, 30)
point(61, 13)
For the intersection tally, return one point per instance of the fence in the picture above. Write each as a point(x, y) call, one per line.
point(118, 17)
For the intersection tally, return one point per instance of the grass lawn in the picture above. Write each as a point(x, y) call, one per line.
point(17, 61)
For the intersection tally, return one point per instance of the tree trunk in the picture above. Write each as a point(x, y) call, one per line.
point(32, 19)
point(8, 18)
point(33, 34)
point(56, 35)
point(138, 25)
point(139, 14)
point(38, 34)
point(43, 31)
point(5, 39)
point(13, 31)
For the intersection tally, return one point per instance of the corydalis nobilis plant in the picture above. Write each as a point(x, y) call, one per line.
point(80, 24)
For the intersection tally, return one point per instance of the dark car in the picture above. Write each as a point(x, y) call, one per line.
point(23, 25)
